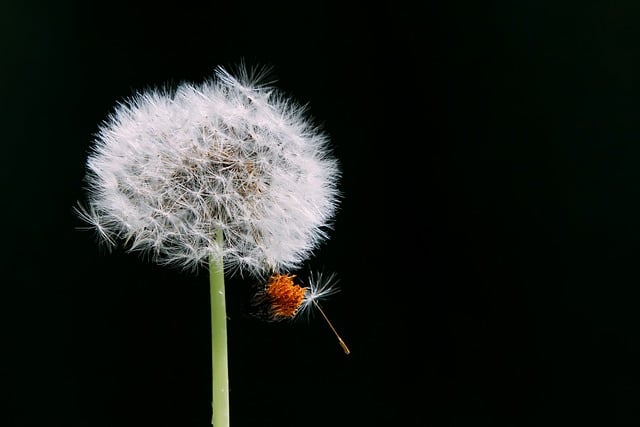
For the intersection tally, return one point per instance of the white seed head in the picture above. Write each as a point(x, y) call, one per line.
point(169, 169)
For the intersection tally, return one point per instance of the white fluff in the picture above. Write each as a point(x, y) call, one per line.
point(168, 169)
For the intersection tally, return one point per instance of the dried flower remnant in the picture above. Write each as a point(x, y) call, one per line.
point(281, 299)
point(285, 297)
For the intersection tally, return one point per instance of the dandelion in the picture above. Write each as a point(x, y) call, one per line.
point(229, 174)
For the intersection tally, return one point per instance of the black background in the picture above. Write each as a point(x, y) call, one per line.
point(487, 243)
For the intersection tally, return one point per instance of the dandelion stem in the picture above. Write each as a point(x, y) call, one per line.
point(219, 357)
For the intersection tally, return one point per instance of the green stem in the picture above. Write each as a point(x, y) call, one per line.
point(220, 369)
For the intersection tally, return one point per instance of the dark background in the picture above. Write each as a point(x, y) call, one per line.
point(487, 244)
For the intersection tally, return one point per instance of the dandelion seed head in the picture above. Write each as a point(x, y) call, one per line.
point(170, 168)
